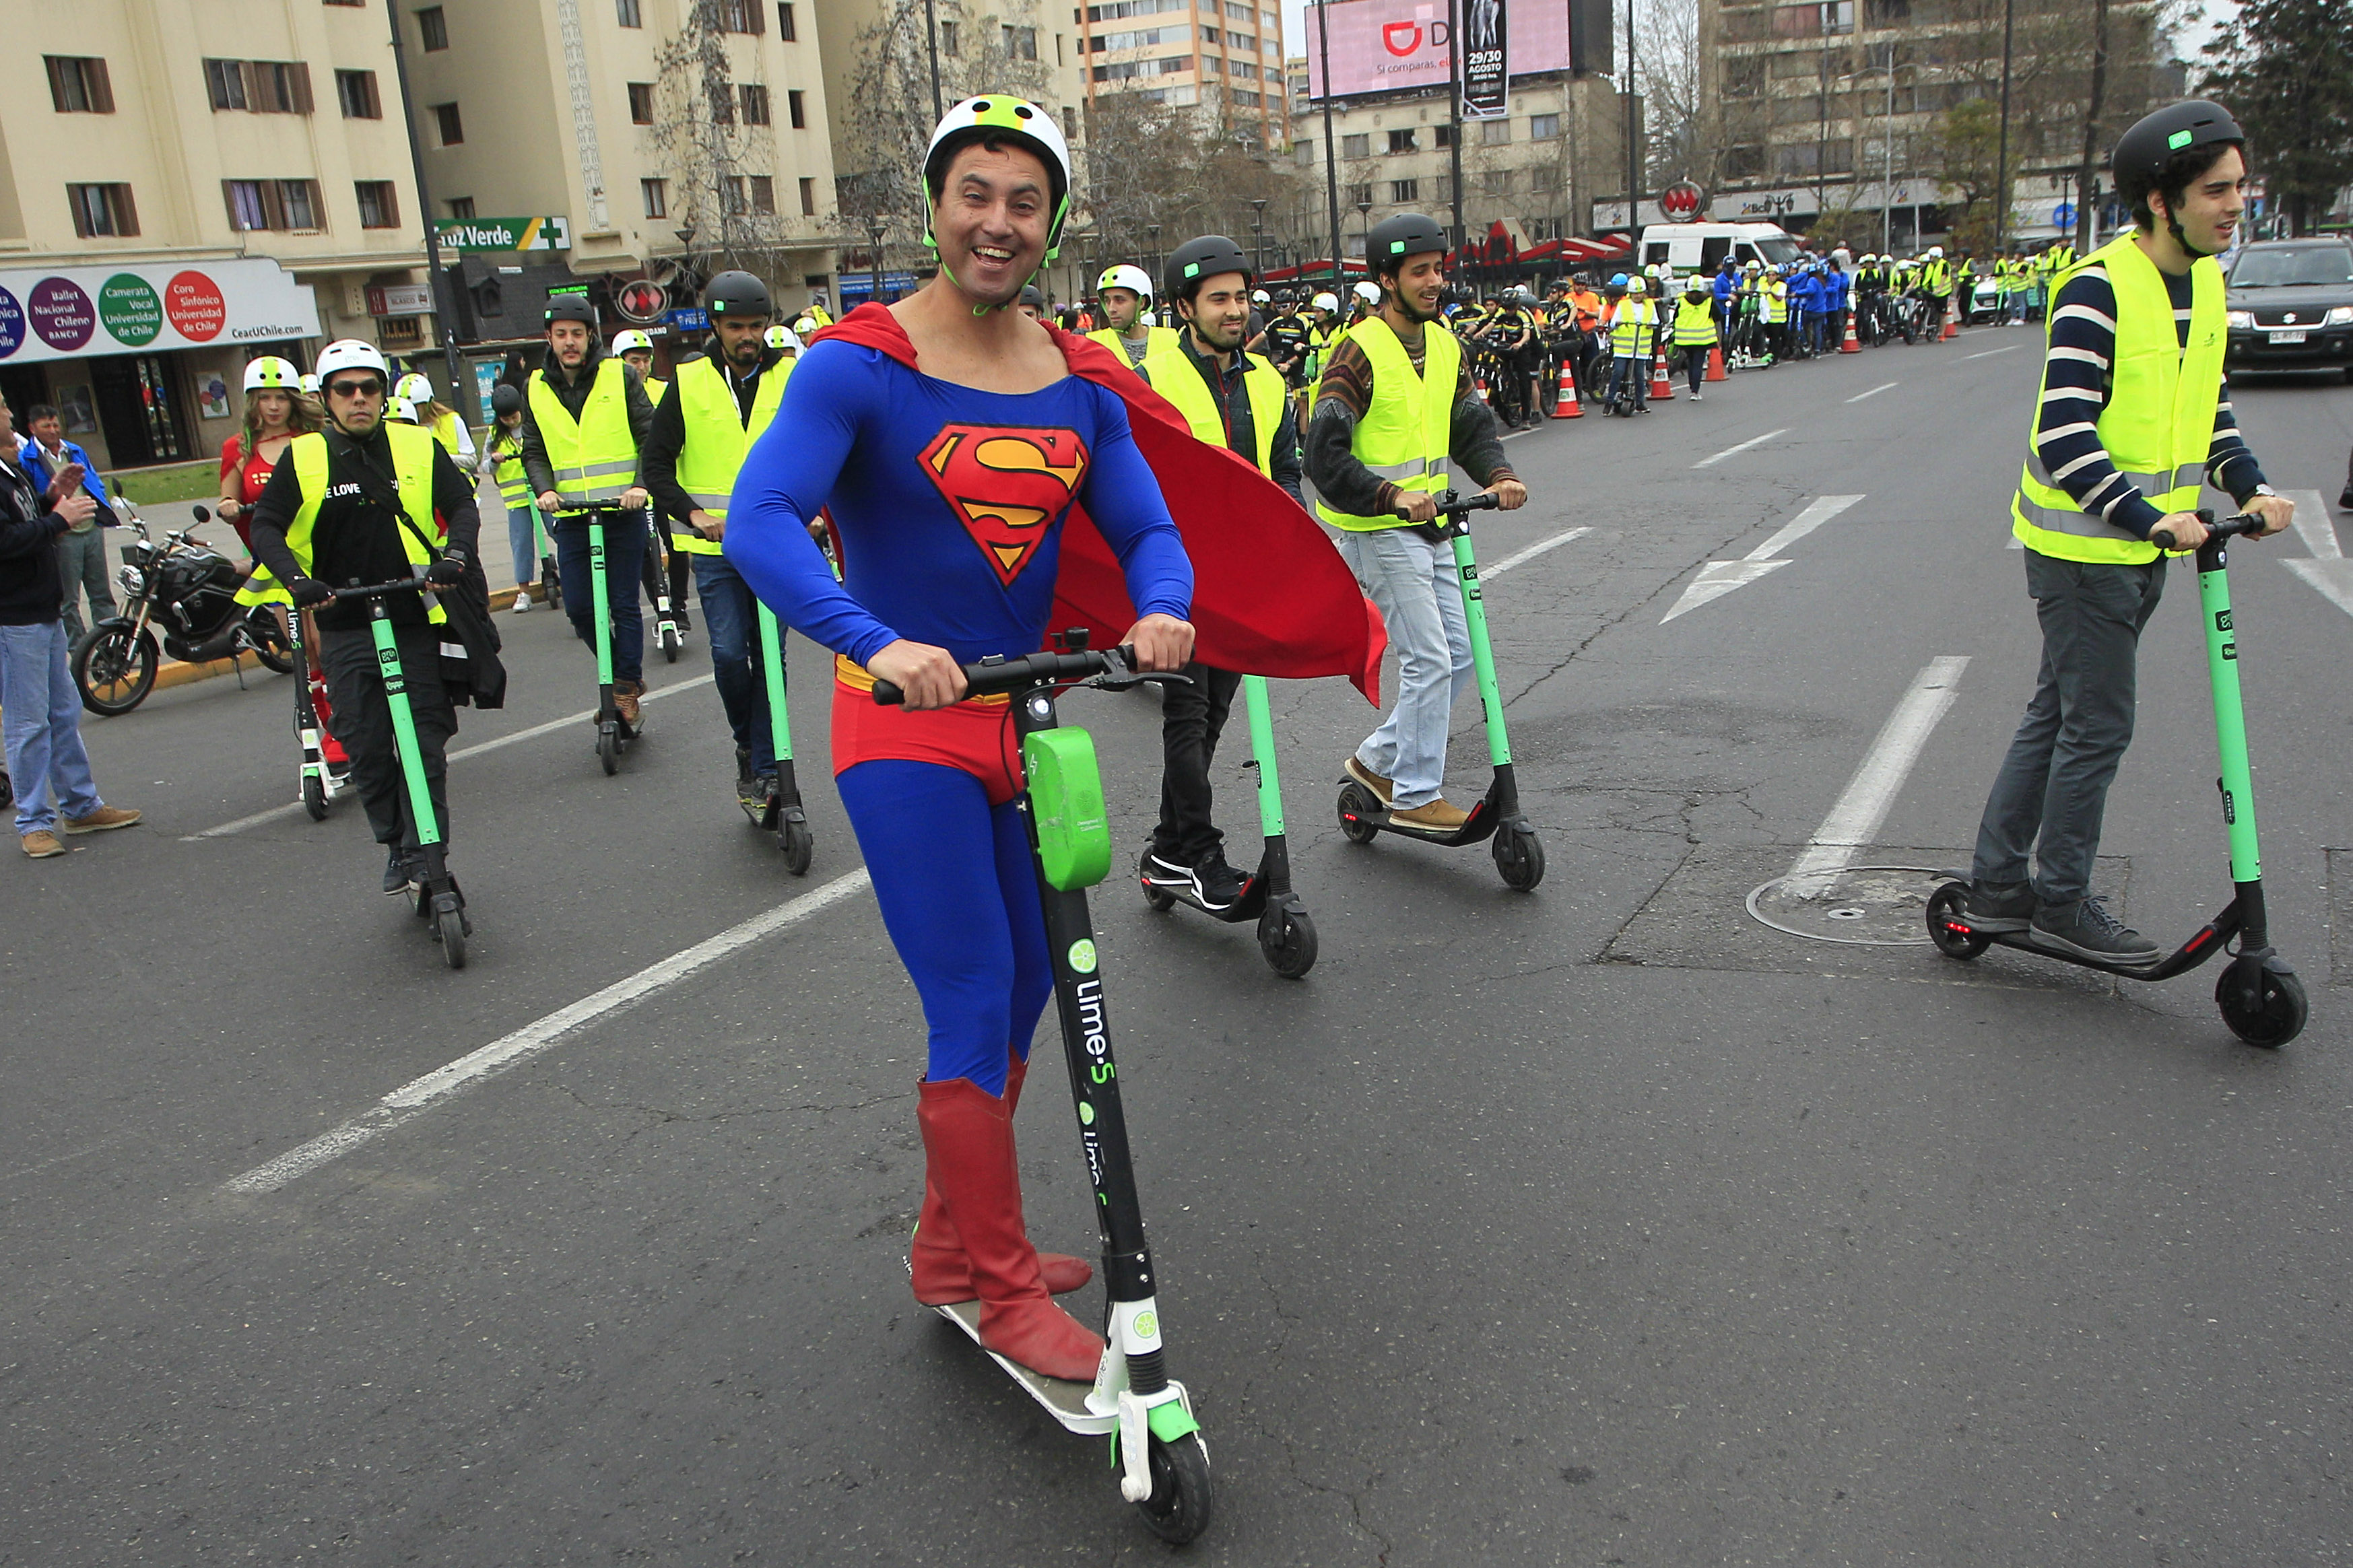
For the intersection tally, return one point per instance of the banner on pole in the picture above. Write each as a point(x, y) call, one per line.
point(1485, 72)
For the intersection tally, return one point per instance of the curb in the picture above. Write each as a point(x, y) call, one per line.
point(173, 672)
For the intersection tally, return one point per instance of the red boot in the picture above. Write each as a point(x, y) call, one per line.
point(330, 750)
point(969, 1147)
point(936, 1258)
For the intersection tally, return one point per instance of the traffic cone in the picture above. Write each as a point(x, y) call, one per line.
point(1714, 364)
point(1568, 406)
point(1853, 345)
point(1952, 328)
point(1662, 385)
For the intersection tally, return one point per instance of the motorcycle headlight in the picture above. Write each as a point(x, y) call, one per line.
point(2338, 316)
point(2241, 318)
point(134, 581)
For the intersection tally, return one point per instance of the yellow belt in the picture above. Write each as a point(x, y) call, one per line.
point(854, 676)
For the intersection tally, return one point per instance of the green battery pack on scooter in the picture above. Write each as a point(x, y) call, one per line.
point(1066, 798)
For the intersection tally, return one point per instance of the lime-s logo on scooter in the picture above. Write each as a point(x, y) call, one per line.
point(1007, 484)
point(1093, 1040)
point(1082, 956)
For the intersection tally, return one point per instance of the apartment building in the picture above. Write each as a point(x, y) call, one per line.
point(183, 187)
point(635, 146)
point(1224, 56)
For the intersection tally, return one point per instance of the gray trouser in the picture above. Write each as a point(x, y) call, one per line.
point(2056, 779)
point(82, 563)
point(1413, 582)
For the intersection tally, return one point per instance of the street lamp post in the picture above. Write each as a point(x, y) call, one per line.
point(1152, 255)
point(932, 49)
point(1365, 215)
point(874, 237)
point(444, 303)
point(1258, 232)
point(1331, 154)
point(2001, 164)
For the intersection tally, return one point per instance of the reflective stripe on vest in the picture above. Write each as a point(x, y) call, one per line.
point(1694, 323)
point(1630, 330)
point(514, 485)
point(1173, 376)
point(717, 438)
point(1406, 435)
point(2159, 426)
point(414, 452)
point(596, 457)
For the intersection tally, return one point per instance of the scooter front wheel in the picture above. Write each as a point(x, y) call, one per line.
point(1287, 938)
point(1944, 916)
point(314, 797)
point(608, 748)
point(670, 643)
point(1358, 815)
point(2277, 1015)
point(1181, 1502)
point(1519, 858)
point(450, 930)
point(798, 845)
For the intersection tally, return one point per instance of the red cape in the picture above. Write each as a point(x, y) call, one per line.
point(1271, 596)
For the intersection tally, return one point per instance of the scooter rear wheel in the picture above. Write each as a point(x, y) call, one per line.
point(1181, 1502)
point(1944, 912)
point(1358, 811)
point(314, 797)
point(671, 643)
point(2278, 1017)
point(1519, 858)
point(450, 930)
point(1288, 940)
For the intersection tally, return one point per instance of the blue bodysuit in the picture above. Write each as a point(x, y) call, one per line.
point(949, 504)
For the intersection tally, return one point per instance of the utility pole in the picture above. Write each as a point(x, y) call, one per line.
point(1633, 139)
point(932, 49)
point(445, 304)
point(1454, 137)
point(2001, 161)
point(2087, 176)
point(1330, 157)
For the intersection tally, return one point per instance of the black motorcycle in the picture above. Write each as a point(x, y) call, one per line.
point(187, 590)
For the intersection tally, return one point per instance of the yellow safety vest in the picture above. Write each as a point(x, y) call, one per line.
point(654, 390)
point(1776, 296)
point(445, 430)
point(717, 437)
point(1695, 323)
point(1157, 339)
point(413, 455)
point(506, 454)
point(1405, 435)
point(1173, 376)
point(596, 457)
point(1630, 328)
point(2159, 426)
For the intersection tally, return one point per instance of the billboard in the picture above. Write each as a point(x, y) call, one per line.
point(68, 311)
point(1382, 46)
point(1485, 74)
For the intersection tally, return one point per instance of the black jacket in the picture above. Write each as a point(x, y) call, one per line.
point(572, 392)
point(31, 587)
point(357, 539)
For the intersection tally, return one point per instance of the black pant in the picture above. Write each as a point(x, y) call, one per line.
point(1191, 718)
point(362, 722)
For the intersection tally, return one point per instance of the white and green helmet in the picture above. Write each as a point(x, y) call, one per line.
point(1001, 114)
point(416, 386)
point(270, 374)
point(633, 340)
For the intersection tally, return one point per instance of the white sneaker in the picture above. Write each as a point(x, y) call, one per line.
point(523, 604)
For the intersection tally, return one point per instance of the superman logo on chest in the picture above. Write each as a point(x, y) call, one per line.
point(1006, 484)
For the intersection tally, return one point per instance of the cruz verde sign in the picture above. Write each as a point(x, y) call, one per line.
point(52, 314)
point(505, 233)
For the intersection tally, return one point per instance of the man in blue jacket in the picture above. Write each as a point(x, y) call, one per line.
point(1726, 284)
point(81, 549)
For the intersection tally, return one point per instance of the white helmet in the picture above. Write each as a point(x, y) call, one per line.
point(633, 339)
point(1008, 116)
point(1261, 297)
point(1132, 278)
point(416, 386)
point(781, 336)
point(310, 385)
point(1326, 300)
point(1369, 291)
point(400, 408)
point(270, 374)
point(804, 326)
point(1637, 285)
point(1935, 253)
point(350, 354)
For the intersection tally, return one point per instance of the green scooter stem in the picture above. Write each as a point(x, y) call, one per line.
point(2230, 716)
point(1483, 653)
point(538, 531)
point(603, 607)
point(1262, 734)
point(403, 724)
point(771, 658)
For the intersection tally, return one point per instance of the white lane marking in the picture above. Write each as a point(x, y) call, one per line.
point(1989, 353)
point(2327, 570)
point(1718, 578)
point(1874, 391)
point(534, 1038)
point(1532, 551)
point(1729, 451)
point(460, 755)
point(1854, 821)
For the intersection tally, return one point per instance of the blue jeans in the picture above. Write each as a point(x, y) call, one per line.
point(625, 563)
point(731, 619)
point(1414, 583)
point(525, 548)
point(1627, 370)
point(43, 728)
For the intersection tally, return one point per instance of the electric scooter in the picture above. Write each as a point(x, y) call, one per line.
point(781, 812)
point(1519, 854)
point(433, 893)
point(656, 579)
point(320, 784)
point(1157, 1447)
point(1286, 932)
point(614, 733)
point(2259, 996)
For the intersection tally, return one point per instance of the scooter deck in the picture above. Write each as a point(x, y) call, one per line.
point(1065, 1402)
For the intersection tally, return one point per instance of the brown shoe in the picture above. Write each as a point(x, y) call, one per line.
point(1438, 817)
point(43, 845)
point(626, 694)
point(1369, 779)
point(98, 821)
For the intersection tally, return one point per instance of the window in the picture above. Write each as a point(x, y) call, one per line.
point(723, 101)
point(1235, 13)
point(1402, 141)
point(1360, 145)
point(247, 209)
point(1020, 43)
point(79, 86)
point(1246, 42)
point(1208, 35)
point(1886, 13)
point(1405, 190)
point(950, 45)
point(1246, 98)
point(1492, 132)
point(756, 103)
point(433, 27)
point(1303, 150)
point(1120, 9)
point(1241, 68)
point(103, 210)
point(796, 109)
point(1543, 127)
point(656, 197)
point(356, 91)
point(299, 199)
point(1272, 22)
point(1744, 163)
point(641, 103)
point(1498, 182)
point(785, 30)
point(1143, 38)
point(626, 13)
point(742, 16)
point(462, 208)
point(732, 197)
point(1360, 195)
point(1069, 124)
point(1744, 78)
point(225, 83)
point(279, 87)
point(446, 121)
point(809, 196)
point(1168, 66)
point(1442, 135)
point(764, 195)
point(379, 204)
point(279, 205)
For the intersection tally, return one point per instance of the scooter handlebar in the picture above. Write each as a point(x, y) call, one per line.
point(1047, 667)
point(376, 591)
point(1454, 503)
point(2229, 527)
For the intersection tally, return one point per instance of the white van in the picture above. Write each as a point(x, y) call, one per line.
point(1690, 247)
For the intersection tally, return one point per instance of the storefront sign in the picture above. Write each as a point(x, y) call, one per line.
point(688, 318)
point(505, 233)
point(400, 298)
point(641, 302)
point(94, 311)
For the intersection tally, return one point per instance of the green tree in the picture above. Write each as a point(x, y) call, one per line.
point(1966, 143)
point(2286, 68)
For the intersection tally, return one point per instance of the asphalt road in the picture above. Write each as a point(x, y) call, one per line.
point(1602, 1225)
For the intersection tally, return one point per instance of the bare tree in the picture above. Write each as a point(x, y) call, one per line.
point(1681, 123)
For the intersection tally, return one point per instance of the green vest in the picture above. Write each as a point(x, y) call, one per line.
point(1405, 437)
point(2158, 425)
point(596, 457)
point(1695, 322)
point(414, 452)
point(1172, 374)
point(717, 437)
point(1155, 340)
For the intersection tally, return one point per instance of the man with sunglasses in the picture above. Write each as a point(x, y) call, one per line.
point(366, 501)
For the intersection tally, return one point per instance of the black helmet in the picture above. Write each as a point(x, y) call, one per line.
point(506, 397)
point(2143, 152)
point(1206, 257)
point(570, 307)
point(1032, 295)
point(737, 294)
point(1395, 239)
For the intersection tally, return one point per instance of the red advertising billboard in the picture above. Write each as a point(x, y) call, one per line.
point(1381, 45)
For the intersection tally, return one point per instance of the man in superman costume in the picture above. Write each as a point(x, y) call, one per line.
point(988, 477)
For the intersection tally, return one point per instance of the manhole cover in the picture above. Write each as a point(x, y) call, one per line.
point(1865, 906)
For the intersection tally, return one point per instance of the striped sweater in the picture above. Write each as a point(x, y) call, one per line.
point(2075, 387)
